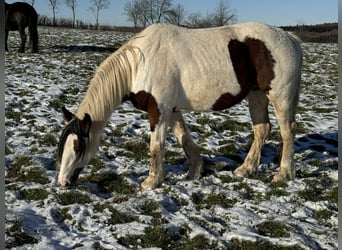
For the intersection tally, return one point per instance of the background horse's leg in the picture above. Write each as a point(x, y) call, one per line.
point(33, 35)
point(258, 103)
point(23, 39)
point(157, 144)
point(190, 148)
point(6, 38)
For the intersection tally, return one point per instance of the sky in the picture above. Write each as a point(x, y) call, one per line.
point(274, 12)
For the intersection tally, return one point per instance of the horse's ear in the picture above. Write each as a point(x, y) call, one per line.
point(85, 125)
point(67, 114)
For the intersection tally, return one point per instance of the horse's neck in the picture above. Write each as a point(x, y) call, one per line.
point(105, 93)
point(99, 103)
point(107, 90)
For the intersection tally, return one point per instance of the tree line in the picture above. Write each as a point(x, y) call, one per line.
point(146, 12)
point(95, 7)
point(319, 33)
point(142, 13)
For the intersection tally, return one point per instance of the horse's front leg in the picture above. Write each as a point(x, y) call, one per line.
point(157, 144)
point(190, 148)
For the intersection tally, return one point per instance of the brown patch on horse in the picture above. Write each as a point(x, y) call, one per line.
point(262, 61)
point(145, 101)
point(239, 55)
point(253, 66)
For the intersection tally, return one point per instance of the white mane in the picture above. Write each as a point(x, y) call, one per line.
point(110, 84)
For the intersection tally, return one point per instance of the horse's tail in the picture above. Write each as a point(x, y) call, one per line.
point(33, 29)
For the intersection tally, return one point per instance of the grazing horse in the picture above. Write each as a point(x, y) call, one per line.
point(166, 69)
point(20, 15)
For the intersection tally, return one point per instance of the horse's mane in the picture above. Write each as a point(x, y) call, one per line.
point(110, 84)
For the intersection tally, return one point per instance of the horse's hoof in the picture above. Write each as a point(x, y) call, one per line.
point(278, 179)
point(281, 177)
point(150, 183)
point(241, 172)
point(195, 174)
point(245, 171)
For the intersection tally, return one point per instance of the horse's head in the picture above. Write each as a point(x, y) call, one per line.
point(72, 148)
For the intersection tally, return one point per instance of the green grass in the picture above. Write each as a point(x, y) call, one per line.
point(217, 200)
point(247, 191)
point(116, 216)
point(159, 236)
point(48, 140)
point(320, 188)
point(137, 150)
point(151, 208)
point(19, 172)
point(237, 244)
point(73, 197)
point(274, 229)
point(16, 116)
point(34, 194)
point(110, 183)
point(200, 242)
point(18, 236)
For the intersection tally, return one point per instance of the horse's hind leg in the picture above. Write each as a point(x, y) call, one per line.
point(190, 148)
point(33, 39)
point(258, 103)
point(284, 112)
point(23, 40)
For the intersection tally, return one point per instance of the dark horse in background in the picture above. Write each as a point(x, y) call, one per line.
point(20, 15)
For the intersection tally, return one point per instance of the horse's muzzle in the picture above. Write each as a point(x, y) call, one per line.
point(72, 180)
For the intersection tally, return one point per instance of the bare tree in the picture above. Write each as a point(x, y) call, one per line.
point(197, 20)
point(96, 6)
point(132, 10)
point(223, 15)
point(147, 12)
point(145, 7)
point(175, 15)
point(53, 4)
point(154, 11)
point(72, 5)
point(162, 7)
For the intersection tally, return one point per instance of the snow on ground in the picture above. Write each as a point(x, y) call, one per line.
point(106, 210)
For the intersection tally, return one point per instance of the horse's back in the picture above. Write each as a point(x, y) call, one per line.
point(20, 8)
point(169, 41)
point(190, 62)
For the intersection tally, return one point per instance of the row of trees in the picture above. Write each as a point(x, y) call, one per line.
point(146, 12)
point(95, 7)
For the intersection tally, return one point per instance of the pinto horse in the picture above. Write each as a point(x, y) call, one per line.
point(166, 69)
point(20, 15)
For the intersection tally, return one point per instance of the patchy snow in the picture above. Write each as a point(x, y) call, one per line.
point(220, 206)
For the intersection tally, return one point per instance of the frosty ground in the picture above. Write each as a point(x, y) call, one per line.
point(105, 210)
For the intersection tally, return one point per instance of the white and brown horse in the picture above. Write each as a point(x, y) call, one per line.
point(166, 69)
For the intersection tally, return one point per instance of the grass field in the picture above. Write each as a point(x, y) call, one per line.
point(106, 210)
